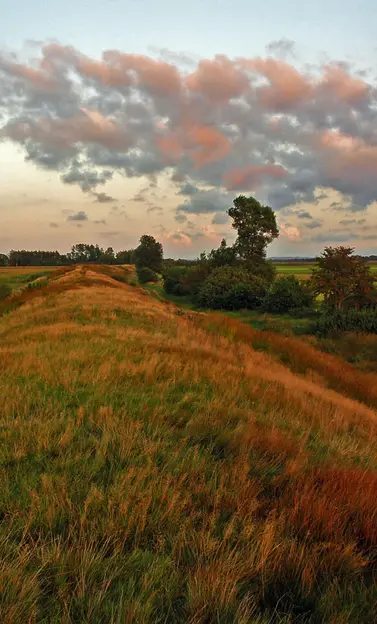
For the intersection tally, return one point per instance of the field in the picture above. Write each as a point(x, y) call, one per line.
point(139, 485)
point(303, 270)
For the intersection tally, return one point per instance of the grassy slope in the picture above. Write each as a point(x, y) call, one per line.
point(155, 468)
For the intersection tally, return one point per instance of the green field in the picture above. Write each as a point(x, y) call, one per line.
point(304, 269)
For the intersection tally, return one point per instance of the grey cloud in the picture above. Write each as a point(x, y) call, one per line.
point(53, 225)
point(188, 189)
point(78, 216)
point(86, 179)
point(220, 218)
point(100, 222)
point(352, 221)
point(103, 198)
point(180, 218)
point(314, 224)
point(304, 215)
point(206, 202)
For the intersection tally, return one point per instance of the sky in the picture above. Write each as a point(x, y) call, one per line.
point(119, 118)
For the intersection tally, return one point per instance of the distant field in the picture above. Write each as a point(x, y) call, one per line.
point(304, 270)
point(18, 277)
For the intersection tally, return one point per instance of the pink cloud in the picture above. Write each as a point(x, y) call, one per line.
point(252, 176)
point(287, 86)
point(218, 79)
point(343, 86)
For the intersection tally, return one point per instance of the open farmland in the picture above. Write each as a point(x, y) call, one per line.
point(139, 485)
point(303, 270)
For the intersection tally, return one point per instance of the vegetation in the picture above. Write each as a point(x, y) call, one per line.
point(5, 291)
point(231, 288)
point(165, 467)
point(145, 275)
point(149, 254)
point(344, 280)
point(349, 320)
point(287, 294)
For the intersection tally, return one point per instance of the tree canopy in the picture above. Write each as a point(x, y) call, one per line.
point(343, 279)
point(149, 253)
point(256, 228)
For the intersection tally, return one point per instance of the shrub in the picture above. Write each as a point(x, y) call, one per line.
point(145, 275)
point(287, 294)
point(195, 277)
point(339, 321)
point(173, 281)
point(231, 288)
point(5, 291)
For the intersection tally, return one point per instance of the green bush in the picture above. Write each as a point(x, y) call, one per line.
point(231, 288)
point(339, 321)
point(5, 291)
point(287, 294)
point(173, 281)
point(145, 275)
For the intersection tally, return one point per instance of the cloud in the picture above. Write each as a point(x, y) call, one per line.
point(251, 176)
point(78, 216)
point(314, 224)
point(103, 198)
point(290, 232)
point(100, 222)
point(352, 221)
point(304, 214)
point(220, 218)
point(213, 125)
point(53, 225)
point(180, 218)
point(205, 202)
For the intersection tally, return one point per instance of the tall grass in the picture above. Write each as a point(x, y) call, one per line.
point(155, 467)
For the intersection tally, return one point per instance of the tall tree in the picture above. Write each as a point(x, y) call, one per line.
point(4, 260)
point(256, 228)
point(343, 279)
point(149, 253)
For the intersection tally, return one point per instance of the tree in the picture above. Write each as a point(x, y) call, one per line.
point(286, 294)
point(343, 279)
point(223, 256)
point(4, 260)
point(256, 228)
point(149, 253)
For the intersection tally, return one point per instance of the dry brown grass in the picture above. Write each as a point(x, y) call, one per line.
point(152, 470)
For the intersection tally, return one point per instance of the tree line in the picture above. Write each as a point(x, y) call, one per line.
point(80, 253)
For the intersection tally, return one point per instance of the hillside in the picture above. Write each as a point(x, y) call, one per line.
point(159, 465)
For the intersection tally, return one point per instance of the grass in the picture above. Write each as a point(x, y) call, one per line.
point(303, 270)
point(161, 465)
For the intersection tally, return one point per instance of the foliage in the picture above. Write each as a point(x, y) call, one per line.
point(231, 288)
point(4, 260)
point(5, 291)
point(256, 228)
point(173, 280)
point(146, 274)
point(286, 294)
point(344, 280)
point(149, 253)
point(347, 320)
point(223, 256)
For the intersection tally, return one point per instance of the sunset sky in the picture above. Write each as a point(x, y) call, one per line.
point(119, 118)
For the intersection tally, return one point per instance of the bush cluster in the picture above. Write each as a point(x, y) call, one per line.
point(333, 322)
point(145, 275)
point(231, 288)
point(287, 294)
